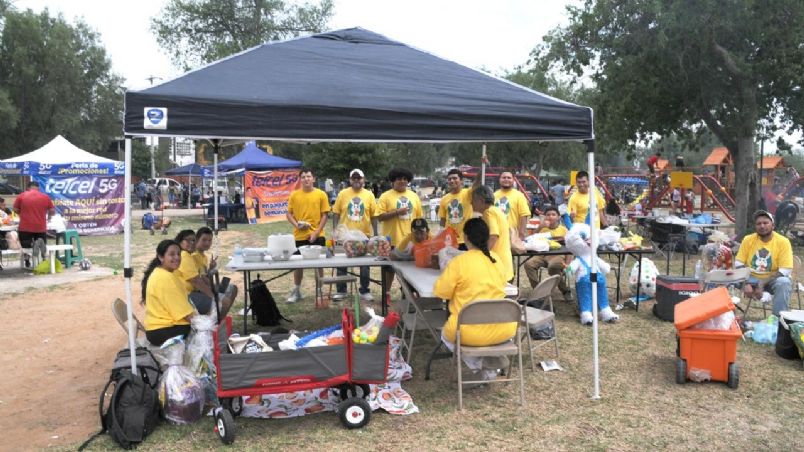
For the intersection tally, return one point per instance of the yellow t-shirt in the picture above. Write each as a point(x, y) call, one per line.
point(166, 302)
point(513, 204)
point(188, 269)
point(558, 233)
point(307, 206)
point(201, 261)
point(765, 258)
point(469, 277)
point(455, 210)
point(406, 245)
point(578, 206)
point(356, 209)
point(398, 227)
point(498, 225)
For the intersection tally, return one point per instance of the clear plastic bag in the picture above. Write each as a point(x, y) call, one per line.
point(180, 392)
point(608, 236)
point(700, 375)
point(446, 254)
point(765, 332)
point(379, 246)
point(720, 322)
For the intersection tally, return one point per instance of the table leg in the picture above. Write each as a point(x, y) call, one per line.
point(436, 355)
point(667, 272)
point(639, 279)
point(518, 258)
point(619, 276)
point(246, 278)
point(684, 260)
point(52, 262)
point(385, 298)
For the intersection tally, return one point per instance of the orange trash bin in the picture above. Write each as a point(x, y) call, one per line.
point(712, 351)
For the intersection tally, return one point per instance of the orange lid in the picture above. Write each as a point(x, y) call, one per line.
point(703, 307)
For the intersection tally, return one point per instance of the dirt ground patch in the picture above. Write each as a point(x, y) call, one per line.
point(58, 344)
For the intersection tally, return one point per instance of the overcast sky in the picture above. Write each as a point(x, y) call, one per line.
point(495, 35)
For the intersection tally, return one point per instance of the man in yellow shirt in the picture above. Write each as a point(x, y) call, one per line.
point(578, 204)
point(455, 206)
point(499, 234)
point(356, 208)
point(398, 206)
point(554, 264)
point(307, 213)
point(770, 258)
point(512, 203)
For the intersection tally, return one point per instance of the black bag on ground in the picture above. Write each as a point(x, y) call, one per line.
point(263, 305)
point(133, 410)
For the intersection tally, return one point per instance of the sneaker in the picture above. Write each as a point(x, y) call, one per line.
point(339, 296)
point(567, 295)
point(367, 297)
point(294, 296)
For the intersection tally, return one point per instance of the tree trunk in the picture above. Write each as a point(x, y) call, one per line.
point(744, 185)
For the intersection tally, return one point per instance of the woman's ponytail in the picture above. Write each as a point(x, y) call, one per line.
point(476, 231)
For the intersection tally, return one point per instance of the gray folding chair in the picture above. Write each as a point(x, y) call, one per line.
point(419, 313)
point(486, 312)
point(536, 318)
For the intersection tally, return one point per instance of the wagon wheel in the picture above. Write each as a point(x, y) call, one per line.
point(234, 405)
point(347, 391)
point(225, 426)
point(681, 371)
point(734, 376)
point(354, 412)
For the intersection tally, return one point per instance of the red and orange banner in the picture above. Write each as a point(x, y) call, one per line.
point(267, 194)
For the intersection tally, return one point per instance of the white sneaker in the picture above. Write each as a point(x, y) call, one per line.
point(367, 297)
point(339, 296)
point(294, 296)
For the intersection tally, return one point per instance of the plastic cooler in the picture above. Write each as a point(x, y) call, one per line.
point(712, 351)
point(671, 290)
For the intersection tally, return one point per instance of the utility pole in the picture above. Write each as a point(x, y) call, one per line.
point(153, 141)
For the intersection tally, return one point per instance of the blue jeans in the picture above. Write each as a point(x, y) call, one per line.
point(364, 280)
point(781, 288)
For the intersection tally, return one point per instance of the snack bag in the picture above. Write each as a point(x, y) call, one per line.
point(180, 392)
point(425, 251)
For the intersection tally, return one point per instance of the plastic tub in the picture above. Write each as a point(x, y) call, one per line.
point(311, 251)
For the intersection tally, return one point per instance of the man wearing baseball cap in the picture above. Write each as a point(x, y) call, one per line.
point(356, 208)
point(770, 258)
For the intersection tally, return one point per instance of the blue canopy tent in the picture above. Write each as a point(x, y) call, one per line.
point(193, 169)
point(353, 85)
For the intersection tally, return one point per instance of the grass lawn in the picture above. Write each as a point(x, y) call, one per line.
point(641, 408)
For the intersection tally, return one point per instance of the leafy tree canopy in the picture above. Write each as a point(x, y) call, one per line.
point(196, 32)
point(55, 78)
point(664, 66)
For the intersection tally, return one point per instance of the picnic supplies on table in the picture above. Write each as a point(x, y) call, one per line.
point(379, 246)
point(348, 366)
point(426, 253)
point(180, 392)
point(133, 410)
point(706, 354)
point(446, 254)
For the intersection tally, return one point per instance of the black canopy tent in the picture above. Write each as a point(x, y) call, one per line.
point(350, 85)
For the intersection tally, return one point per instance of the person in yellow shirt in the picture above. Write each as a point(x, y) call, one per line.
point(512, 203)
point(398, 206)
point(307, 213)
point(770, 258)
point(474, 275)
point(420, 232)
point(455, 206)
point(356, 208)
point(499, 234)
point(578, 204)
point(188, 269)
point(203, 242)
point(167, 309)
point(554, 264)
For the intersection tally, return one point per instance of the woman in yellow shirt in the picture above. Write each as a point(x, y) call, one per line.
point(167, 309)
point(474, 275)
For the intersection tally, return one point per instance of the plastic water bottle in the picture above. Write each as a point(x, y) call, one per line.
point(238, 253)
point(698, 269)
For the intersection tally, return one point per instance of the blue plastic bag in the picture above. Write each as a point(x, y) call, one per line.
point(764, 332)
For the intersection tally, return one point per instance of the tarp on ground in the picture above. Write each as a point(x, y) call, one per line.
point(59, 157)
point(349, 85)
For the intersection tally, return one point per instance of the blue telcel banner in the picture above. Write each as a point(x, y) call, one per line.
point(91, 204)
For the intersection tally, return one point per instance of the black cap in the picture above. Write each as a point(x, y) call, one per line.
point(419, 224)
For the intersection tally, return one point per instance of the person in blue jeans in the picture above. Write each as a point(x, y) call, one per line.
point(356, 208)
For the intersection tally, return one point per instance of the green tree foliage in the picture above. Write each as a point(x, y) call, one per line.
point(201, 31)
point(665, 66)
point(55, 78)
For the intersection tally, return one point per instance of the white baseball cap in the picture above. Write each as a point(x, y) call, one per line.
point(356, 171)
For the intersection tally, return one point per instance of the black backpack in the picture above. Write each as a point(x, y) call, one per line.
point(263, 306)
point(133, 411)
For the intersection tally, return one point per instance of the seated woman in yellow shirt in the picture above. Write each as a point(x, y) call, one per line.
point(167, 308)
point(475, 275)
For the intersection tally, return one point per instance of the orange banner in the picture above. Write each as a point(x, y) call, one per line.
point(267, 194)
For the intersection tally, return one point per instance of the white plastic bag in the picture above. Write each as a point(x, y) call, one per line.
point(720, 322)
point(446, 254)
point(252, 343)
point(537, 242)
point(57, 223)
point(180, 392)
point(609, 236)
